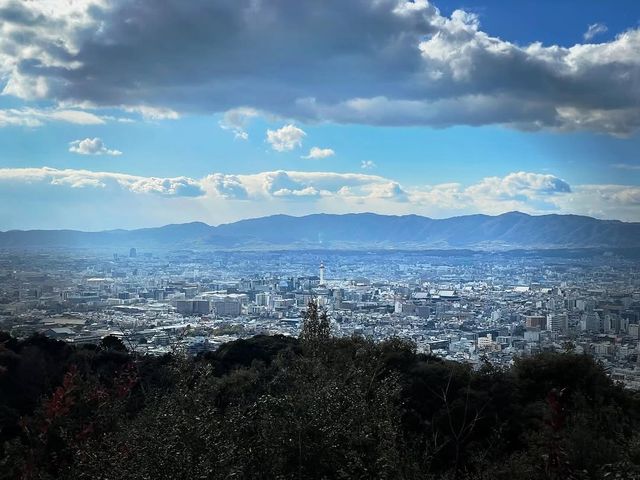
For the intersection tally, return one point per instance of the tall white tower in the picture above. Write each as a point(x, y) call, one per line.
point(321, 273)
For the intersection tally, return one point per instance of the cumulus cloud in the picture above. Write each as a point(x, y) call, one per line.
point(227, 186)
point(520, 185)
point(286, 138)
point(78, 179)
point(171, 187)
point(524, 191)
point(388, 62)
point(322, 184)
point(257, 187)
point(92, 146)
point(594, 30)
point(318, 153)
point(223, 197)
point(389, 190)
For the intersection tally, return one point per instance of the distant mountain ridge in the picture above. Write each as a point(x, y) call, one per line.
point(354, 231)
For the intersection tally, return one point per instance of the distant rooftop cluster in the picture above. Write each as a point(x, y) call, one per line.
point(470, 306)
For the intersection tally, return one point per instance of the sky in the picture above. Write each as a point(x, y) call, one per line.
point(139, 113)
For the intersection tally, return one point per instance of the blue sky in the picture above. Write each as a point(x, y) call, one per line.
point(119, 114)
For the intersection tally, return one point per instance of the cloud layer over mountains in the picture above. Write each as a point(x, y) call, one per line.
point(384, 62)
point(133, 200)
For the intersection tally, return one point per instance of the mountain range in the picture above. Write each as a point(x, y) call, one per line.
point(513, 230)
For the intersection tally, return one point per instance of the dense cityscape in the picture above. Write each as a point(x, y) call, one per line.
point(346, 239)
point(463, 306)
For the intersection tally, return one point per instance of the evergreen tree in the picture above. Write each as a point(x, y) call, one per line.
point(111, 342)
point(316, 326)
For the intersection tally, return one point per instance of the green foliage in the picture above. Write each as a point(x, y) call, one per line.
point(316, 326)
point(242, 353)
point(111, 342)
point(318, 407)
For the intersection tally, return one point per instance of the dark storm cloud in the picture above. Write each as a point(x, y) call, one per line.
point(383, 62)
point(217, 55)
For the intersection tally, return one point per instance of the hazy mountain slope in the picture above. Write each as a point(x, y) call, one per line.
point(364, 230)
point(511, 229)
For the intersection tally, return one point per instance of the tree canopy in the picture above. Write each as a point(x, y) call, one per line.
point(280, 407)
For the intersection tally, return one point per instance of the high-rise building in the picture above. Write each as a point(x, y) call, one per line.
point(591, 322)
point(558, 322)
point(201, 307)
point(263, 299)
point(228, 305)
point(535, 321)
point(184, 307)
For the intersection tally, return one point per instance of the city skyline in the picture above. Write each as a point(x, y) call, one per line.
point(119, 115)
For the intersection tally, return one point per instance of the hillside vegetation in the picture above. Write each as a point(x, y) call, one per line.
point(314, 407)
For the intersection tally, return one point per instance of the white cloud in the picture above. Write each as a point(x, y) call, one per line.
point(622, 195)
point(318, 153)
point(325, 184)
point(626, 166)
point(236, 120)
point(286, 138)
point(594, 30)
point(301, 192)
point(397, 63)
point(32, 117)
point(176, 186)
point(76, 116)
point(223, 197)
point(92, 146)
point(602, 201)
point(389, 190)
point(367, 164)
point(520, 184)
point(226, 186)
point(523, 191)
point(111, 118)
point(153, 113)
point(11, 118)
point(170, 187)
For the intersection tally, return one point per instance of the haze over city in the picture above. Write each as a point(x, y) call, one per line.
point(336, 239)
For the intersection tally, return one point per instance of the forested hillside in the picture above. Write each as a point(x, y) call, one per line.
point(314, 407)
